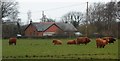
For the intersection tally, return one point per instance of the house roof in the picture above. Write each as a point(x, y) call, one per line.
point(66, 26)
point(42, 26)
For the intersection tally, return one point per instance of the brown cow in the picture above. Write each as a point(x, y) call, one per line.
point(110, 39)
point(101, 42)
point(57, 42)
point(72, 42)
point(83, 40)
point(12, 40)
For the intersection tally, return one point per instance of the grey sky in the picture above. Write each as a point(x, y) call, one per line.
point(53, 8)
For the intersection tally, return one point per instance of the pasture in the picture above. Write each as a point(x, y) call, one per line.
point(44, 49)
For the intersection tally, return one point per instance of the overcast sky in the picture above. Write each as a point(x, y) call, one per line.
point(53, 8)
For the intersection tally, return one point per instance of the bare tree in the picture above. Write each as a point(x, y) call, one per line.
point(9, 10)
point(118, 10)
point(73, 17)
point(110, 14)
point(95, 12)
point(46, 19)
point(96, 18)
point(103, 17)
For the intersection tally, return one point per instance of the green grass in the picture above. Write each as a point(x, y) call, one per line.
point(44, 49)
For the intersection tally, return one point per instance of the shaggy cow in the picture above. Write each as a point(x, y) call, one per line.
point(101, 42)
point(110, 39)
point(12, 41)
point(72, 42)
point(57, 42)
point(83, 40)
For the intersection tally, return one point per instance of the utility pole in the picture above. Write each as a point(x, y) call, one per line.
point(87, 20)
point(1, 28)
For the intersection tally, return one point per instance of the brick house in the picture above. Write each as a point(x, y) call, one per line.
point(49, 29)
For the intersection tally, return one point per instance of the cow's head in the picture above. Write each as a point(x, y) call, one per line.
point(112, 39)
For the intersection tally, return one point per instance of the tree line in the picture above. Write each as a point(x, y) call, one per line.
point(101, 19)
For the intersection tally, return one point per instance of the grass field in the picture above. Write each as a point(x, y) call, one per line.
point(44, 49)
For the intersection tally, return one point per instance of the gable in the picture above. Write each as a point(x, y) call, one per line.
point(53, 28)
point(30, 30)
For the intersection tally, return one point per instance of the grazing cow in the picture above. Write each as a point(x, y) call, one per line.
point(83, 40)
point(72, 42)
point(101, 42)
point(57, 42)
point(110, 39)
point(12, 40)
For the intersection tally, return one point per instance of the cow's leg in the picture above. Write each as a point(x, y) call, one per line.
point(100, 46)
point(113, 42)
point(97, 46)
point(54, 43)
point(103, 46)
point(15, 43)
point(10, 43)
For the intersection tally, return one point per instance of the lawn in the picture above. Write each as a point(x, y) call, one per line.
point(44, 49)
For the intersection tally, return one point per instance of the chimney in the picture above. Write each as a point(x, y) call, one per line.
point(30, 21)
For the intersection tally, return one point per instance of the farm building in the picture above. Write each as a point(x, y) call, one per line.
point(49, 29)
